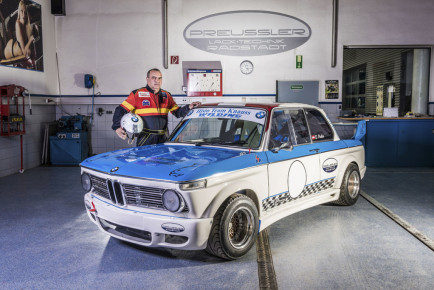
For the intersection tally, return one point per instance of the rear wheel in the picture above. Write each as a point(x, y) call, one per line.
point(350, 187)
point(234, 228)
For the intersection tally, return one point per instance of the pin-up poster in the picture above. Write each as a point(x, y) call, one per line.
point(21, 34)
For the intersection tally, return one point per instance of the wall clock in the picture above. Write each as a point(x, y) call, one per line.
point(246, 67)
point(204, 82)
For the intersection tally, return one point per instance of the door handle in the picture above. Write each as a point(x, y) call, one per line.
point(316, 150)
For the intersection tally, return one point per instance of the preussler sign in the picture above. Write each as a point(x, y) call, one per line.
point(247, 33)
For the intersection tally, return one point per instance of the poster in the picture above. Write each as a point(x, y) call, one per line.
point(21, 34)
point(332, 89)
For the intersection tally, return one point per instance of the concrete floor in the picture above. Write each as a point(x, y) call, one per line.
point(47, 242)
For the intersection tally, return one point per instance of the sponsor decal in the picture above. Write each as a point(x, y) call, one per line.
point(172, 227)
point(318, 136)
point(134, 119)
point(179, 172)
point(144, 94)
point(247, 33)
point(228, 113)
point(146, 103)
point(258, 159)
point(330, 165)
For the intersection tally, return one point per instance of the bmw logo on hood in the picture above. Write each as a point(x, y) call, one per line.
point(114, 169)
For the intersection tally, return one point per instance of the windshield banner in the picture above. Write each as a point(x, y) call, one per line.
point(257, 116)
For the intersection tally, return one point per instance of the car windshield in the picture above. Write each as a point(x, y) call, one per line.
point(240, 127)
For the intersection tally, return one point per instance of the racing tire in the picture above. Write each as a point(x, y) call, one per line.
point(235, 227)
point(350, 187)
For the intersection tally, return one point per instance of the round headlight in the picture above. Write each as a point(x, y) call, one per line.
point(172, 201)
point(86, 183)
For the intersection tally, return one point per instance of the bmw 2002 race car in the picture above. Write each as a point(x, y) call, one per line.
point(227, 172)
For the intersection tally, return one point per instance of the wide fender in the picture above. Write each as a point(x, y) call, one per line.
point(347, 160)
point(241, 186)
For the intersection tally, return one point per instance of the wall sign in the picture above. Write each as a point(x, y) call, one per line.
point(247, 33)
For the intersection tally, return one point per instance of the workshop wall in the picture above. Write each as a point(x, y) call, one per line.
point(35, 82)
point(124, 39)
point(118, 41)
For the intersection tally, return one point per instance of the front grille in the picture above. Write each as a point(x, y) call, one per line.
point(143, 196)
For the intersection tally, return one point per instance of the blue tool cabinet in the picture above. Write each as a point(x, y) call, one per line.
point(68, 148)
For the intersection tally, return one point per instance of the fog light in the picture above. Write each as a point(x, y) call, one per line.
point(86, 183)
point(172, 201)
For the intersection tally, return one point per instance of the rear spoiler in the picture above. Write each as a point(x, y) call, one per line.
point(360, 130)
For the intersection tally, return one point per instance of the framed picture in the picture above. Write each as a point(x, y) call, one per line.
point(21, 35)
point(332, 89)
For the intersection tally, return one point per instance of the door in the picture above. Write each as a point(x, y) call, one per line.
point(294, 162)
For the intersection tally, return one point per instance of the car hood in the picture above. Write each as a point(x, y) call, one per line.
point(173, 162)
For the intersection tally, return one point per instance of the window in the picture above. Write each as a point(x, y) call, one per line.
point(288, 126)
point(355, 88)
point(320, 130)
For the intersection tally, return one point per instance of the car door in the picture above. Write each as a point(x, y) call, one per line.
point(293, 161)
point(331, 150)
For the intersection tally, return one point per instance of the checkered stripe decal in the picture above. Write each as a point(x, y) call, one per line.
point(277, 200)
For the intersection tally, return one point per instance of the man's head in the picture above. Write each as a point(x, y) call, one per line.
point(154, 79)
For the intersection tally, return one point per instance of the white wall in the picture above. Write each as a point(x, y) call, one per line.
point(124, 40)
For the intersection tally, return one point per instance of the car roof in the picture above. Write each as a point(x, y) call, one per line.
point(267, 106)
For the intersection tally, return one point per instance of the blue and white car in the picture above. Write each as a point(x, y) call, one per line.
point(227, 172)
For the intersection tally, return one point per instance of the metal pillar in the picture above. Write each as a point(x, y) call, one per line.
point(419, 99)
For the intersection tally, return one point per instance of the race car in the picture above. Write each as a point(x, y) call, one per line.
point(227, 172)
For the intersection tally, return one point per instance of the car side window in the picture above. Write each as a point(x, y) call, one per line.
point(319, 128)
point(288, 126)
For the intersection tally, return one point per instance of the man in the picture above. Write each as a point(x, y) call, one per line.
point(153, 104)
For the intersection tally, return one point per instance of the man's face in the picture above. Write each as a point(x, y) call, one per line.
point(154, 80)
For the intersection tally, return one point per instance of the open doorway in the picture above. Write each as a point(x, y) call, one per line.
point(377, 78)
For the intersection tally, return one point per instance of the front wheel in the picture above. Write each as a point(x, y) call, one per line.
point(350, 187)
point(234, 228)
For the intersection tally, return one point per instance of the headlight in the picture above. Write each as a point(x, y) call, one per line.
point(86, 182)
point(193, 185)
point(172, 201)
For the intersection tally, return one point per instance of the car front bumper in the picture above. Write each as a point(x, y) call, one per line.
point(146, 227)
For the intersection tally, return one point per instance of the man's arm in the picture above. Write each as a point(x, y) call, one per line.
point(182, 111)
point(117, 116)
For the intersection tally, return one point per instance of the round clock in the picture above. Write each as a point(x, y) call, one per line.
point(246, 67)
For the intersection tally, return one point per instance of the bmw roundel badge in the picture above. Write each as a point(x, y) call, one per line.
point(134, 119)
point(114, 169)
point(260, 115)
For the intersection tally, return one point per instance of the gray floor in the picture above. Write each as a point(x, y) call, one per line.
point(47, 242)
